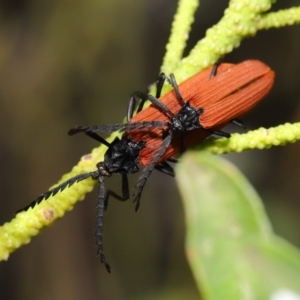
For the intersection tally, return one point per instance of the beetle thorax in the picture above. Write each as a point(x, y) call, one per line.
point(187, 118)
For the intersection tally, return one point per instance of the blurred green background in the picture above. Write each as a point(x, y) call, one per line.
point(65, 63)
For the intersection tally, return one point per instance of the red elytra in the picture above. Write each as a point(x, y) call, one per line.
point(230, 94)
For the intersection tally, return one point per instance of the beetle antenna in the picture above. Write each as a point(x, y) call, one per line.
point(99, 222)
point(58, 188)
point(90, 129)
point(148, 170)
point(96, 128)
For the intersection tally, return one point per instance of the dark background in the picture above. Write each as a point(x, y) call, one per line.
point(64, 63)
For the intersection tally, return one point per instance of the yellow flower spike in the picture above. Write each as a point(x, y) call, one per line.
point(261, 138)
point(281, 18)
point(181, 27)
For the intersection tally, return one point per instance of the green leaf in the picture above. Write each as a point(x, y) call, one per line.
point(230, 245)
